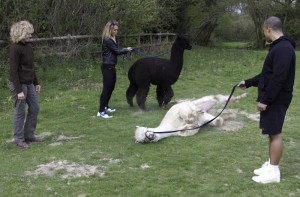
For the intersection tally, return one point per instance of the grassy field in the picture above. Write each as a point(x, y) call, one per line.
point(83, 155)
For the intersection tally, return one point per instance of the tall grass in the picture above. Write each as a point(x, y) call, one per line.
point(210, 163)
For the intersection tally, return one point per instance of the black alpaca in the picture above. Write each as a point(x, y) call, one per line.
point(157, 71)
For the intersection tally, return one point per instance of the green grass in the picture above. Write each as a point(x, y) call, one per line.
point(239, 45)
point(210, 163)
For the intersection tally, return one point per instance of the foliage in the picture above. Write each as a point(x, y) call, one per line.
point(203, 21)
point(238, 24)
point(62, 17)
point(287, 10)
point(205, 15)
point(210, 163)
point(292, 27)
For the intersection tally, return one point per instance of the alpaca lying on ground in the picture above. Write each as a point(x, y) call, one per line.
point(185, 115)
point(160, 72)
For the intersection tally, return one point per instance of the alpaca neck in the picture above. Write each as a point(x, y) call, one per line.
point(177, 56)
point(161, 128)
point(159, 136)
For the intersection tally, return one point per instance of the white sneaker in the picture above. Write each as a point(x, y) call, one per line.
point(269, 176)
point(103, 115)
point(109, 109)
point(261, 170)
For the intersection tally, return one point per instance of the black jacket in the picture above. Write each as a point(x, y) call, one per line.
point(110, 51)
point(22, 69)
point(276, 80)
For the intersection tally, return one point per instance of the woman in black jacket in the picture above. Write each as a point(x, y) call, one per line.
point(23, 84)
point(110, 51)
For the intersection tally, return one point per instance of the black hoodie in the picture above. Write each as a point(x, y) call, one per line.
point(276, 80)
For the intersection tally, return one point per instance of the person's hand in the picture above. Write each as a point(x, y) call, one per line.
point(242, 85)
point(261, 106)
point(129, 49)
point(21, 96)
point(38, 88)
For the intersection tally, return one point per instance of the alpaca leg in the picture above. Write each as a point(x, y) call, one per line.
point(159, 95)
point(207, 117)
point(130, 93)
point(168, 96)
point(141, 96)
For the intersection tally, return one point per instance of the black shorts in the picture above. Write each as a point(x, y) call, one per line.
point(271, 120)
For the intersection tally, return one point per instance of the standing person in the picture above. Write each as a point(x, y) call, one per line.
point(275, 91)
point(110, 51)
point(23, 84)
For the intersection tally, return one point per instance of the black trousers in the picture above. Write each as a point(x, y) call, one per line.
point(109, 81)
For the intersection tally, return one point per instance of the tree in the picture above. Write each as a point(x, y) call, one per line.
point(259, 10)
point(292, 27)
point(202, 18)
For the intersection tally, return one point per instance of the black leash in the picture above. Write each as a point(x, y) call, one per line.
point(129, 55)
point(125, 56)
point(146, 55)
point(204, 124)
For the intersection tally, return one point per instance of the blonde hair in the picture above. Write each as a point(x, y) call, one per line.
point(19, 30)
point(108, 29)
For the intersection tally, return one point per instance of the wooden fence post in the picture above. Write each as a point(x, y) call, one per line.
point(139, 40)
point(159, 41)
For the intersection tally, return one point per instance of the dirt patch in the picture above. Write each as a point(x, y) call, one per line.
point(254, 117)
point(67, 169)
point(65, 138)
point(230, 118)
point(61, 138)
point(233, 113)
point(144, 166)
point(231, 125)
point(43, 136)
point(111, 161)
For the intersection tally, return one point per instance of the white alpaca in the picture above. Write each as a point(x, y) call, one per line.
point(183, 116)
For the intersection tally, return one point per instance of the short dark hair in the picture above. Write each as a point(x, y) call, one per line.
point(274, 23)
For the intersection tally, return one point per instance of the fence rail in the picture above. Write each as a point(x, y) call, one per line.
point(70, 37)
point(70, 45)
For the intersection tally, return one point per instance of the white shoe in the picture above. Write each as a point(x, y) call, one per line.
point(269, 176)
point(261, 170)
point(109, 109)
point(103, 115)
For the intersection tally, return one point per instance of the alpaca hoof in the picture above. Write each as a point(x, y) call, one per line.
point(130, 103)
point(164, 105)
point(143, 107)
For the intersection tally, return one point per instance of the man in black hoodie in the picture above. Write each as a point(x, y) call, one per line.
point(275, 91)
